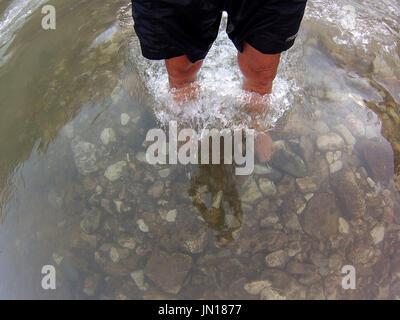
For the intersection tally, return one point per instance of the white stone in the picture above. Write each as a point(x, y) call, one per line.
point(171, 215)
point(371, 182)
point(216, 201)
point(256, 287)
point(277, 259)
point(330, 142)
point(343, 226)
point(125, 118)
point(267, 186)
point(377, 234)
point(308, 196)
point(114, 256)
point(128, 243)
point(107, 136)
point(138, 277)
point(114, 172)
point(301, 209)
point(142, 225)
point(336, 166)
point(118, 205)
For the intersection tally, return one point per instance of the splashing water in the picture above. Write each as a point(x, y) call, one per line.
point(221, 101)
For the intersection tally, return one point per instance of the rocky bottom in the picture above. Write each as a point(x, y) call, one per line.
point(326, 200)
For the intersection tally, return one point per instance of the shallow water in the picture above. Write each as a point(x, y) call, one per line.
point(286, 231)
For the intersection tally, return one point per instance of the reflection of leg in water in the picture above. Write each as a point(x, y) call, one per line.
point(214, 194)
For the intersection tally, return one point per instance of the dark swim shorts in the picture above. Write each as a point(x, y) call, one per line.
point(172, 28)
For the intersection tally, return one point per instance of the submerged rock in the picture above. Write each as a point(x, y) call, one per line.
point(85, 157)
point(115, 171)
point(251, 191)
point(320, 219)
point(346, 134)
point(125, 118)
point(277, 259)
point(330, 142)
point(256, 287)
point(267, 171)
point(171, 215)
point(114, 255)
point(107, 136)
point(91, 221)
point(142, 225)
point(377, 234)
point(289, 162)
point(361, 253)
point(306, 185)
point(168, 270)
point(351, 197)
point(267, 186)
point(336, 167)
point(91, 284)
point(287, 286)
point(194, 238)
point(138, 277)
point(379, 158)
point(343, 226)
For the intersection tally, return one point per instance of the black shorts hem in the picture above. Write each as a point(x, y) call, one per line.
point(267, 47)
point(151, 54)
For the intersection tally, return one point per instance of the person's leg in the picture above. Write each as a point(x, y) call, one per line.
point(259, 71)
point(182, 74)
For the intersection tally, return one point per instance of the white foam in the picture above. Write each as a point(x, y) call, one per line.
point(221, 100)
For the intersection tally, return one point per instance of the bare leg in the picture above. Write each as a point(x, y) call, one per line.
point(182, 75)
point(259, 71)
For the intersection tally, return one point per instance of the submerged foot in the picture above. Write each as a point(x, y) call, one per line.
point(187, 93)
